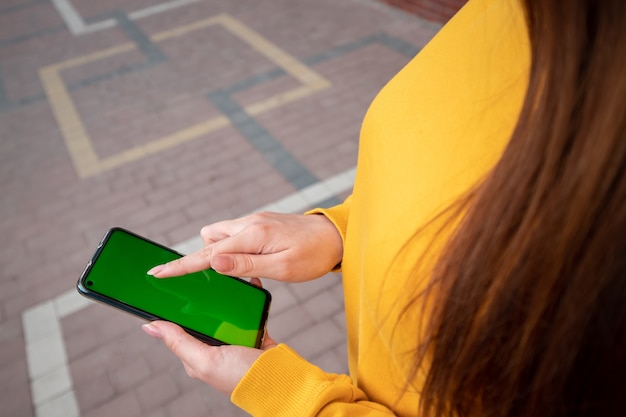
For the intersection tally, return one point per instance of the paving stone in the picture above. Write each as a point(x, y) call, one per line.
point(307, 290)
point(324, 305)
point(130, 375)
point(157, 391)
point(332, 361)
point(317, 340)
point(95, 391)
point(283, 326)
point(282, 298)
point(122, 405)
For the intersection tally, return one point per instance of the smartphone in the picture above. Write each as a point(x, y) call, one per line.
point(215, 308)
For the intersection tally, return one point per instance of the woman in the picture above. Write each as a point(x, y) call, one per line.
point(483, 246)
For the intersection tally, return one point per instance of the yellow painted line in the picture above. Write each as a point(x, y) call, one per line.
point(283, 98)
point(165, 142)
point(84, 59)
point(183, 30)
point(74, 134)
point(77, 140)
point(272, 52)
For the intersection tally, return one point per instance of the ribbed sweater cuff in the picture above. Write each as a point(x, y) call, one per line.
point(280, 384)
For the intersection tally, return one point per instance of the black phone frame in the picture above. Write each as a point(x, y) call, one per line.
point(127, 308)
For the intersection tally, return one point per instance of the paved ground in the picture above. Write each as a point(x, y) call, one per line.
point(163, 117)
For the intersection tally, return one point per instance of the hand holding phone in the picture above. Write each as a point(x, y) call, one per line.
point(215, 308)
point(221, 367)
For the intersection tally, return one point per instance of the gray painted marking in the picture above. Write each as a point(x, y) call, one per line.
point(4, 101)
point(143, 42)
point(22, 6)
point(254, 81)
point(274, 152)
point(28, 36)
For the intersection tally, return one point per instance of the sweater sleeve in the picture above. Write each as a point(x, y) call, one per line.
point(282, 384)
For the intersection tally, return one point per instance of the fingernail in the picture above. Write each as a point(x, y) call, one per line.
point(152, 330)
point(156, 269)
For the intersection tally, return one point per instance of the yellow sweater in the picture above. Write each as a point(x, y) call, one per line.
point(430, 134)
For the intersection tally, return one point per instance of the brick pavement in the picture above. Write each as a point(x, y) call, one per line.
point(162, 117)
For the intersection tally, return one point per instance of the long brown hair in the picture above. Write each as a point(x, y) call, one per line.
point(530, 310)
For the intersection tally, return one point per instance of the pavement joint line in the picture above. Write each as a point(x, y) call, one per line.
point(52, 391)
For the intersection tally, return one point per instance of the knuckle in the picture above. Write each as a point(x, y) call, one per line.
point(260, 229)
point(205, 254)
point(247, 264)
point(261, 215)
point(205, 233)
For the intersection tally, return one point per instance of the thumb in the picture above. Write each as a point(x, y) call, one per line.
point(219, 366)
point(239, 265)
point(182, 344)
point(224, 264)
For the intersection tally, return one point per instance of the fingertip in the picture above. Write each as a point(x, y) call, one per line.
point(152, 330)
point(156, 270)
point(204, 232)
point(163, 329)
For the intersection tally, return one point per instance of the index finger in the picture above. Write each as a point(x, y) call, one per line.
point(197, 261)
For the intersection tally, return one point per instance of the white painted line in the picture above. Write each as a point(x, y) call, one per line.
point(313, 192)
point(46, 355)
point(73, 20)
point(62, 406)
point(40, 322)
point(69, 303)
point(51, 383)
point(159, 8)
point(76, 24)
point(340, 183)
point(283, 205)
point(98, 26)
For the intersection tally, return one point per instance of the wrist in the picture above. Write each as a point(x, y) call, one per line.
point(332, 238)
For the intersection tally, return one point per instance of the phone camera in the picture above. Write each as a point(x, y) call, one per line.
point(89, 283)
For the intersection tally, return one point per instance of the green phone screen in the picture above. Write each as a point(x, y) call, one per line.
point(221, 307)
